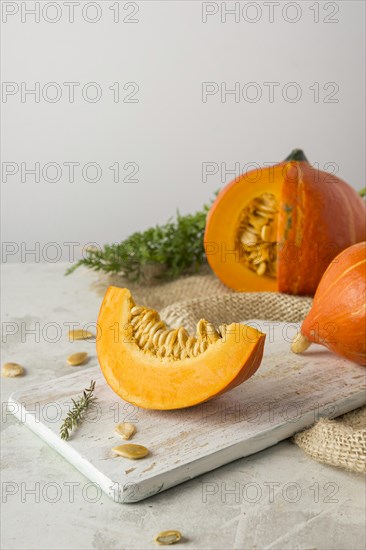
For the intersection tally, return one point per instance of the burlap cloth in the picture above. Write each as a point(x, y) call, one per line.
point(340, 442)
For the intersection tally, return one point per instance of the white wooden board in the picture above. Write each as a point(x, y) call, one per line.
point(288, 393)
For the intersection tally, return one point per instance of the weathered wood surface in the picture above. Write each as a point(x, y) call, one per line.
point(288, 393)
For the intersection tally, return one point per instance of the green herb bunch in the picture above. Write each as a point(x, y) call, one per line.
point(78, 411)
point(176, 246)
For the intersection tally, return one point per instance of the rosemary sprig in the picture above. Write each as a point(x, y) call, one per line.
point(176, 246)
point(77, 413)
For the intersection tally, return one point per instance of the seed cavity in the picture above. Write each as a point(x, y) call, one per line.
point(152, 336)
point(131, 451)
point(77, 359)
point(168, 537)
point(80, 334)
point(126, 430)
point(256, 235)
point(11, 370)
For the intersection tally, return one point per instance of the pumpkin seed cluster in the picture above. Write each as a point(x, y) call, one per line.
point(257, 235)
point(152, 335)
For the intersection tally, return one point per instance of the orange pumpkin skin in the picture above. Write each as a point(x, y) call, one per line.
point(160, 383)
point(337, 318)
point(319, 216)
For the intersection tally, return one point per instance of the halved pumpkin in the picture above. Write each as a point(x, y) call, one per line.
point(279, 227)
point(154, 367)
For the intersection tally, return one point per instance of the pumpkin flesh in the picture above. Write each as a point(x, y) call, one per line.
point(151, 377)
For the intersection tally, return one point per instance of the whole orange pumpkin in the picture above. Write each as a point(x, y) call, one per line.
point(337, 318)
point(278, 228)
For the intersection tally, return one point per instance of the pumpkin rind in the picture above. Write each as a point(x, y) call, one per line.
point(153, 382)
point(320, 215)
point(337, 318)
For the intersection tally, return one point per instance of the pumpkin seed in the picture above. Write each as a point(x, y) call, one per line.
point(203, 346)
point(182, 337)
point(261, 269)
point(143, 340)
point(176, 351)
point(196, 348)
point(264, 216)
point(265, 233)
point(129, 450)
point(10, 370)
point(77, 359)
point(136, 310)
point(269, 200)
point(162, 338)
point(248, 238)
point(261, 258)
point(300, 343)
point(212, 335)
point(125, 430)
point(80, 334)
point(171, 338)
point(268, 209)
point(168, 537)
point(201, 328)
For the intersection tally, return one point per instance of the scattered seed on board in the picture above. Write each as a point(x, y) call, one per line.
point(125, 430)
point(300, 343)
point(80, 334)
point(10, 370)
point(77, 359)
point(129, 450)
point(168, 537)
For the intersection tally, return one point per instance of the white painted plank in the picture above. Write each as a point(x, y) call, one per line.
point(288, 393)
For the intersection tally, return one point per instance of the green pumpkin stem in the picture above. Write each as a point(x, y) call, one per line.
point(297, 155)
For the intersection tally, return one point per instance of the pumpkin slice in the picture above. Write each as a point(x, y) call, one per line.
point(154, 367)
point(279, 227)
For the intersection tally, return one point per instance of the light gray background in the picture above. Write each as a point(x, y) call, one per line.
point(170, 131)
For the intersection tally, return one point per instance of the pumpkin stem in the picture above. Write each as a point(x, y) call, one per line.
point(296, 155)
point(362, 193)
point(300, 343)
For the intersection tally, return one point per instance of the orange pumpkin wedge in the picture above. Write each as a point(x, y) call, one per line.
point(337, 318)
point(156, 368)
point(278, 228)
